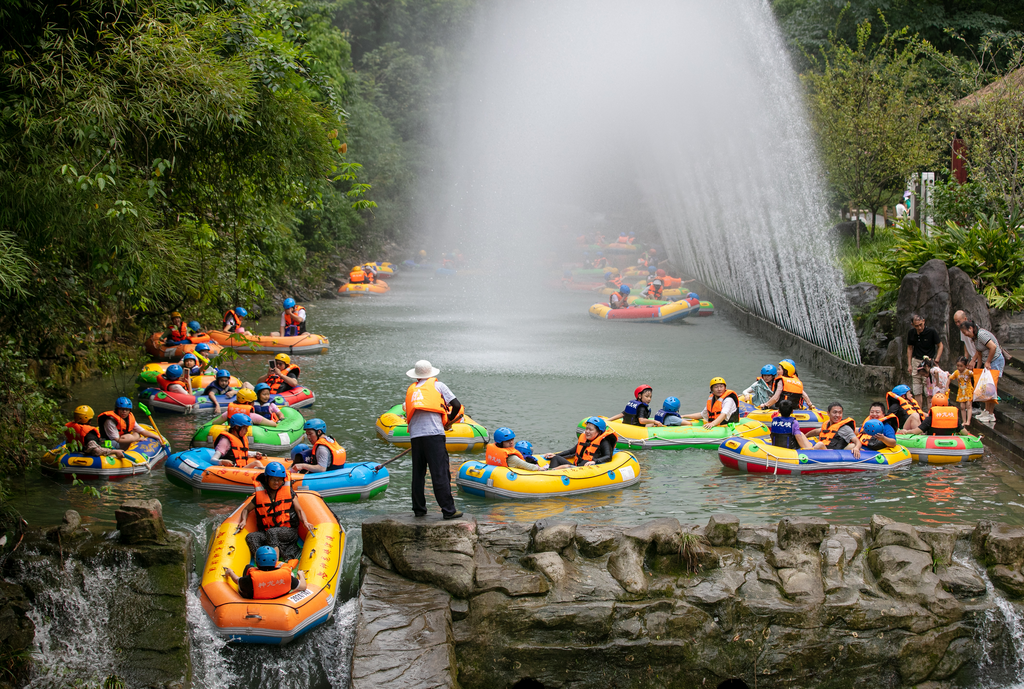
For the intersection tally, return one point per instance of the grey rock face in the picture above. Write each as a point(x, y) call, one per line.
point(927, 294)
point(141, 521)
point(722, 529)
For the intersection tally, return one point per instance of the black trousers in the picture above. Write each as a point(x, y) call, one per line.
point(430, 452)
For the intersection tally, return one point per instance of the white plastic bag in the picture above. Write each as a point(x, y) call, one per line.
point(985, 390)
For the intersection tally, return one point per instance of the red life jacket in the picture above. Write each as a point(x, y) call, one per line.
point(426, 398)
point(828, 430)
point(239, 447)
point(337, 451)
point(123, 426)
point(179, 333)
point(276, 380)
point(272, 583)
point(275, 510)
point(233, 314)
point(80, 432)
point(498, 456)
point(585, 450)
point(165, 384)
point(714, 406)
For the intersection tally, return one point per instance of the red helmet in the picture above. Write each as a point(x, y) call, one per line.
point(661, 273)
point(640, 390)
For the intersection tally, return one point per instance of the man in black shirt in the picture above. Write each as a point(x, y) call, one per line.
point(921, 342)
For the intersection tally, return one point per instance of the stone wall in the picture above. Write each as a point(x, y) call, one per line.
point(800, 603)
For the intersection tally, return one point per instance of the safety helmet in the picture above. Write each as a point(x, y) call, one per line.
point(788, 367)
point(173, 372)
point(266, 557)
point(567, 273)
point(423, 252)
point(223, 373)
point(123, 403)
point(175, 314)
point(940, 400)
point(640, 390)
point(900, 390)
point(790, 362)
point(194, 326)
point(600, 253)
point(504, 433)
point(873, 426)
point(289, 303)
point(608, 275)
point(260, 387)
point(190, 355)
point(275, 470)
point(598, 423)
point(283, 357)
point(660, 273)
point(692, 295)
point(769, 370)
point(241, 420)
point(716, 380)
point(202, 347)
point(246, 395)
point(83, 413)
point(315, 425)
point(624, 289)
point(525, 448)
point(300, 450)
point(632, 234)
point(671, 404)
point(241, 311)
point(658, 282)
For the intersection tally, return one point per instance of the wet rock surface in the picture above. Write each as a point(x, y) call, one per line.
point(800, 603)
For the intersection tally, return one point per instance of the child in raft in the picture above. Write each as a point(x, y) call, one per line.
point(526, 450)
point(245, 398)
point(263, 406)
point(669, 415)
point(964, 378)
point(502, 452)
point(638, 410)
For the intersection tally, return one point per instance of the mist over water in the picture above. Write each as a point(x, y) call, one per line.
point(680, 121)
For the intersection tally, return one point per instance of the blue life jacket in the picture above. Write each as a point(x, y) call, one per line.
point(783, 430)
point(662, 415)
point(262, 409)
point(634, 411)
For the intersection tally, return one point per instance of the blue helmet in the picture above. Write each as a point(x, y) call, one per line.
point(624, 289)
point(301, 450)
point(788, 361)
point(900, 390)
point(266, 557)
point(173, 372)
point(241, 312)
point(600, 253)
point(190, 355)
point(123, 403)
point(769, 370)
point(671, 404)
point(260, 387)
point(194, 326)
point(525, 448)
point(692, 295)
point(275, 470)
point(874, 426)
point(289, 303)
point(598, 423)
point(223, 373)
point(202, 347)
point(241, 420)
point(315, 425)
point(652, 269)
point(632, 234)
point(586, 253)
point(608, 275)
point(504, 433)
point(567, 273)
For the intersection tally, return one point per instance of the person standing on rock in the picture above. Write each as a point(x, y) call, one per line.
point(430, 409)
point(922, 342)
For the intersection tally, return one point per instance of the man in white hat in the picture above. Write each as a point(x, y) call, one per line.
point(430, 409)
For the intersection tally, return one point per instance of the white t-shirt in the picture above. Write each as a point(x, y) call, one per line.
point(301, 313)
point(424, 423)
point(728, 408)
point(111, 428)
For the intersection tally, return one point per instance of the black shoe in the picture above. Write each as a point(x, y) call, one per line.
point(454, 515)
point(419, 514)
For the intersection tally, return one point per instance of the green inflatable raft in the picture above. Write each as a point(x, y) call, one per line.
point(679, 437)
point(270, 439)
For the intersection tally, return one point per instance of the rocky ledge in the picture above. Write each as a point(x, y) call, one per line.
point(800, 603)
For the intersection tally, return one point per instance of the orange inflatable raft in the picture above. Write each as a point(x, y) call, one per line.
point(173, 352)
point(248, 343)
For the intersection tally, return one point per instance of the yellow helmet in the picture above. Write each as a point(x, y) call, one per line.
point(940, 400)
point(175, 314)
point(715, 381)
point(789, 368)
point(285, 358)
point(246, 395)
point(83, 413)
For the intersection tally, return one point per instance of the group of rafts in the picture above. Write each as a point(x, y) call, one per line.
point(367, 280)
point(675, 302)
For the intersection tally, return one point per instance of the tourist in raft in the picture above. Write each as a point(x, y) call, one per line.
point(282, 376)
point(638, 409)
point(190, 365)
point(874, 435)
point(293, 318)
point(430, 409)
point(278, 513)
point(177, 331)
point(263, 406)
point(325, 453)
point(120, 425)
point(596, 445)
point(231, 447)
point(785, 430)
point(904, 407)
point(837, 433)
point(612, 280)
point(194, 329)
point(763, 388)
point(526, 450)
point(600, 261)
point(174, 380)
point(233, 319)
point(244, 404)
point(269, 579)
point(655, 290)
point(668, 415)
point(890, 424)
point(587, 261)
point(88, 437)
point(503, 453)
point(788, 386)
point(617, 300)
point(221, 385)
point(942, 419)
point(202, 352)
point(987, 354)
point(723, 406)
point(358, 276)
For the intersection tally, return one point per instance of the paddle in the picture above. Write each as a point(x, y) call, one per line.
point(381, 466)
point(145, 410)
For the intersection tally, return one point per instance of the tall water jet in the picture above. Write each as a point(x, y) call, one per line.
point(677, 119)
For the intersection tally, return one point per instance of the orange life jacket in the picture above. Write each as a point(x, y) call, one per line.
point(945, 418)
point(714, 406)
point(498, 456)
point(615, 280)
point(600, 262)
point(235, 408)
point(80, 433)
point(890, 419)
point(233, 314)
point(277, 510)
point(239, 447)
point(623, 239)
point(655, 291)
point(337, 451)
point(909, 406)
point(792, 390)
point(165, 384)
point(271, 583)
point(829, 430)
point(425, 398)
point(276, 380)
point(291, 319)
point(585, 450)
point(123, 425)
point(357, 276)
point(179, 333)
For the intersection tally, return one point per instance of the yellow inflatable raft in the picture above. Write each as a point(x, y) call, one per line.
point(465, 436)
point(490, 481)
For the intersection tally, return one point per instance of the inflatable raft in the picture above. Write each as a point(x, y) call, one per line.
point(620, 248)
point(139, 458)
point(678, 437)
point(810, 419)
point(284, 436)
point(247, 343)
point(147, 377)
point(364, 289)
point(490, 481)
point(384, 269)
point(173, 352)
point(942, 449)
point(180, 402)
point(757, 456)
point(277, 620)
point(645, 314)
point(597, 273)
point(354, 482)
point(465, 436)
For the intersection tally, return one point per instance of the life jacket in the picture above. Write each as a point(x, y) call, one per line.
point(585, 450)
point(781, 430)
point(235, 408)
point(614, 281)
point(944, 419)
point(600, 262)
point(829, 430)
point(276, 380)
point(655, 291)
point(337, 451)
point(714, 406)
point(265, 411)
point(498, 456)
point(662, 415)
point(425, 398)
point(291, 320)
point(908, 406)
point(180, 333)
point(271, 583)
point(890, 419)
point(165, 384)
point(239, 447)
point(275, 510)
point(80, 433)
point(123, 425)
point(623, 239)
point(233, 314)
point(631, 414)
point(616, 300)
point(792, 390)
point(357, 276)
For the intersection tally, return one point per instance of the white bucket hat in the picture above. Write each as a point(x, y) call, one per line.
point(423, 369)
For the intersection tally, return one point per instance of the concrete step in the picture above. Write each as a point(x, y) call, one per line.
point(1006, 436)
